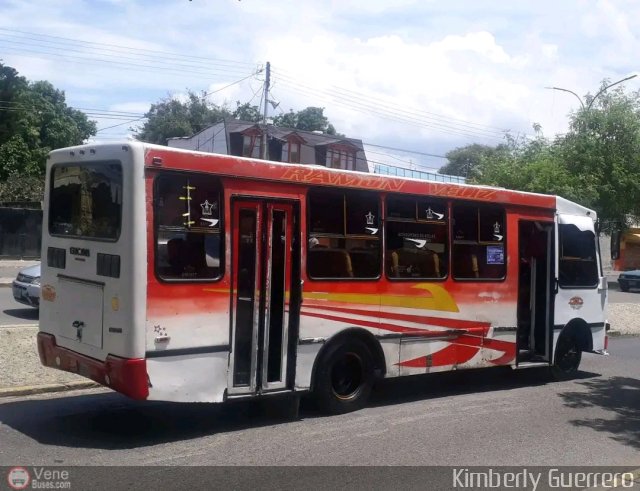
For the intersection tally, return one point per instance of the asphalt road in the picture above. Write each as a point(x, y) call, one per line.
point(489, 417)
point(12, 312)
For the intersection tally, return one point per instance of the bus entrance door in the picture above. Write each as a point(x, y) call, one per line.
point(535, 283)
point(263, 322)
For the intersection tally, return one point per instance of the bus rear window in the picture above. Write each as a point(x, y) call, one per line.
point(86, 200)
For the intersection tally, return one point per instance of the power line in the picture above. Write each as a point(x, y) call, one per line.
point(164, 54)
point(206, 94)
point(394, 112)
point(396, 117)
point(426, 114)
point(405, 150)
point(120, 124)
point(92, 52)
point(101, 61)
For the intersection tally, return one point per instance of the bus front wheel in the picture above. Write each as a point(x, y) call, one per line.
point(344, 378)
point(567, 359)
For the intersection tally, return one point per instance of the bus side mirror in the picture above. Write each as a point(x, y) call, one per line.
point(615, 244)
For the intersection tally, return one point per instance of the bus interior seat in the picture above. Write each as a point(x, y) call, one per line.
point(466, 267)
point(329, 263)
point(365, 263)
point(176, 254)
point(426, 264)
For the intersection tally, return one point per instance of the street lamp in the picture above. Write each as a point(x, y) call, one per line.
point(594, 97)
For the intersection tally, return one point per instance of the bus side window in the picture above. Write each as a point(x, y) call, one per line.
point(344, 234)
point(416, 232)
point(479, 242)
point(187, 217)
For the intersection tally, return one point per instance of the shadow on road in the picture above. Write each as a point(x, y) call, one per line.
point(24, 314)
point(620, 396)
point(409, 389)
point(111, 421)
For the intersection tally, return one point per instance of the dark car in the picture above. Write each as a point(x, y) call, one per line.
point(629, 279)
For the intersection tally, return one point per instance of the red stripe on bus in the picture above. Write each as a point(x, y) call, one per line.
point(420, 319)
point(454, 354)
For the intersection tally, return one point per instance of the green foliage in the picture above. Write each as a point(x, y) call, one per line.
point(464, 161)
point(533, 166)
point(602, 149)
point(597, 163)
point(34, 119)
point(247, 112)
point(172, 118)
point(286, 120)
point(22, 188)
point(309, 119)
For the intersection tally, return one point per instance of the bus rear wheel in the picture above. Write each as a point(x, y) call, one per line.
point(344, 378)
point(567, 359)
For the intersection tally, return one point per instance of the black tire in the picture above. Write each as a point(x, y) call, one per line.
point(344, 377)
point(567, 359)
point(623, 287)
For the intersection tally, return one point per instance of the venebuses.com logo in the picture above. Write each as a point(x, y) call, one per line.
point(38, 478)
point(18, 478)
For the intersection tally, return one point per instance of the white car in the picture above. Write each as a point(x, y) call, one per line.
point(26, 286)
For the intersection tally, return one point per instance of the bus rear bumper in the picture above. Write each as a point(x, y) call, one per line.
point(125, 375)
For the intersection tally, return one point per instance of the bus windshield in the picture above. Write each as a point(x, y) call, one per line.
point(86, 200)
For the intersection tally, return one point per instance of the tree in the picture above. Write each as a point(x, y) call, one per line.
point(596, 163)
point(533, 165)
point(247, 112)
point(464, 161)
point(308, 119)
point(172, 118)
point(34, 119)
point(602, 150)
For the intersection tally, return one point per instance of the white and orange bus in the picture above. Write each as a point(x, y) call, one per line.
point(184, 276)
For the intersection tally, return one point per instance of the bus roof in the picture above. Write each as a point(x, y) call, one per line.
point(314, 175)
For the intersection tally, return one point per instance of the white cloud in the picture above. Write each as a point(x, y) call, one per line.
point(454, 71)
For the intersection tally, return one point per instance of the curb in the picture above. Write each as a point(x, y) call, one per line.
point(43, 389)
point(614, 333)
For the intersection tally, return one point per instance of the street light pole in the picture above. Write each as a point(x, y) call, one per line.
point(594, 97)
point(605, 88)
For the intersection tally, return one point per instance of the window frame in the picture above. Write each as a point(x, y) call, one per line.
point(420, 221)
point(255, 137)
point(291, 142)
point(479, 206)
point(156, 226)
point(379, 238)
point(341, 151)
point(597, 259)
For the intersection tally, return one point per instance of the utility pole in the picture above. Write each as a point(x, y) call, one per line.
point(267, 81)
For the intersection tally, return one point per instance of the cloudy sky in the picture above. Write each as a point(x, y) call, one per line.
point(419, 75)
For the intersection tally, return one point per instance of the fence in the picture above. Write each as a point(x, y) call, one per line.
point(390, 170)
point(20, 232)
